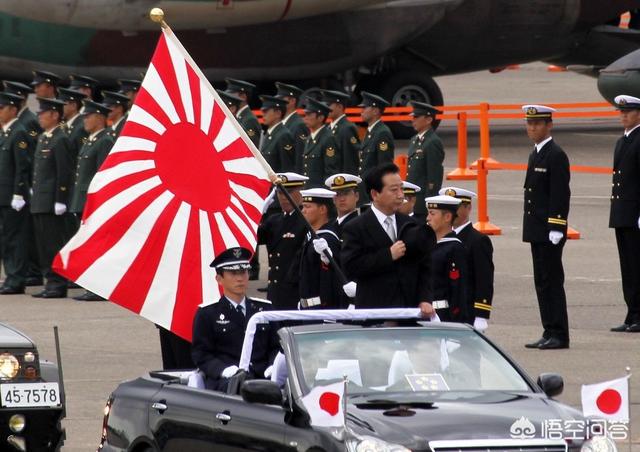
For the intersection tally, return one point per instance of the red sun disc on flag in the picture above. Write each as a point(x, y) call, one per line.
point(330, 402)
point(609, 401)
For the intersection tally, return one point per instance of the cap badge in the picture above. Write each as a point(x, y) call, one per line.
point(339, 180)
point(450, 192)
point(532, 111)
point(623, 101)
point(237, 253)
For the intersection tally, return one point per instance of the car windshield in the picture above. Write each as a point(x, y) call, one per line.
point(405, 360)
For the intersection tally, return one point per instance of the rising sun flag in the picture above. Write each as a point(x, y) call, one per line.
point(181, 184)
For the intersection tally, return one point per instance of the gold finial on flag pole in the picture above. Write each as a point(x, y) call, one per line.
point(157, 15)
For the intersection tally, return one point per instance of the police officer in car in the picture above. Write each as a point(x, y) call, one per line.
point(219, 328)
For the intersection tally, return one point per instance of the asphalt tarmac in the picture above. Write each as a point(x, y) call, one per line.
point(103, 344)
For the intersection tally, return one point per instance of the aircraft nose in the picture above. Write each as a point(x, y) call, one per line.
point(621, 77)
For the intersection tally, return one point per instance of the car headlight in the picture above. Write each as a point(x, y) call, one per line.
point(9, 366)
point(370, 444)
point(599, 444)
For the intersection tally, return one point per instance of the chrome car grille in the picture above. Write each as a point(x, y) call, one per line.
point(499, 445)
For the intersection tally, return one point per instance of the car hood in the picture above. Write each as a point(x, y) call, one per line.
point(12, 338)
point(417, 419)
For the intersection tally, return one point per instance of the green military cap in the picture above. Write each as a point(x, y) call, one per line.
point(45, 77)
point(129, 85)
point(91, 106)
point(10, 99)
point(49, 104)
point(625, 102)
point(272, 102)
point(372, 100)
point(111, 98)
point(229, 99)
point(424, 109)
point(82, 81)
point(239, 86)
point(315, 106)
point(335, 97)
point(17, 88)
point(285, 90)
point(70, 95)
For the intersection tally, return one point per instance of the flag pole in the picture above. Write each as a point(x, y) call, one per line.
point(157, 15)
point(629, 441)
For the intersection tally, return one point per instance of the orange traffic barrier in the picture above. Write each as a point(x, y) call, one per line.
point(554, 68)
point(483, 225)
point(402, 161)
point(462, 172)
point(485, 145)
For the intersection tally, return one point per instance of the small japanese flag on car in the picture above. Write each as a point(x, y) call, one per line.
point(608, 400)
point(325, 405)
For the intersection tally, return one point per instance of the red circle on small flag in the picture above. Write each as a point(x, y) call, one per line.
point(609, 401)
point(190, 167)
point(330, 402)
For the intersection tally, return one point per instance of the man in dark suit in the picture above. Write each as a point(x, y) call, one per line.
point(293, 121)
point(284, 234)
point(346, 200)
point(480, 258)
point(345, 131)
point(244, 115)
point(52, 169)
point(389, 266)
point(321, 154)
point(219, 328)
point(73, 119)
point(278, 145)
point(546, 207)
point(624, 215)
point(15, 165)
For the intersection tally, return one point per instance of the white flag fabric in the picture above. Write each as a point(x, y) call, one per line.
point(607, 400)
point(325, 405)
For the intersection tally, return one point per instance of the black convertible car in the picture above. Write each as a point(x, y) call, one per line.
point(431, 387)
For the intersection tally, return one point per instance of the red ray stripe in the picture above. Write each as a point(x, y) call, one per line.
point(131, 291)
point(194, 82)
point(236, 150)
point(108, 235)
point(119, 157)
point(95, 200)
point(250, 211)
point(216, 237)
point(189, 294)
point(137, 130)
point(260, 186)
point(165, 67)
point(243, 218)
point(242, 241)
point(145, 101)
point(217, 118)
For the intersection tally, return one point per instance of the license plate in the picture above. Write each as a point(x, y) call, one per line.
point(29, 395)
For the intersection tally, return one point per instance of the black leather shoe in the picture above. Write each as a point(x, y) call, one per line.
point(536, 344)
point(634, 328)
point(89, 296)
point(553, 344)
point(6, 290)
point(33, 281)
point(620, 329)
point(50, 294)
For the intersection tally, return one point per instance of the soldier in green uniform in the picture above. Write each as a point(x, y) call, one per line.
point(345, 131)
point(29, 121)
point(321, 155)
point(129, 88)
point(86, 85)
point(278, 143)
point(244, 115)
point(378, 146)
point(90, 158)
point(293, 121)
point(52, 169)
point(45, 84)
point(14, 190)
point(73, 119)
point(426, 154)
point(119, 105)
point(232, 102)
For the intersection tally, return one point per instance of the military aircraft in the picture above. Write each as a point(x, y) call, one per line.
point(392, 47)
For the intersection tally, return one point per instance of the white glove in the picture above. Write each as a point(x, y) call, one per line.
point(639, 222)
point(480, 324)
point(320, 245)
point(17, 203)
point(350, 289)
point(229, 371)
point(435, 317)
point(351, 307)
point(268, 371)
point(555, 237)
point(269, 200)
point(59, 208)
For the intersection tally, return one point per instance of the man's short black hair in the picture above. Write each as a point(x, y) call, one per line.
point(373, 177)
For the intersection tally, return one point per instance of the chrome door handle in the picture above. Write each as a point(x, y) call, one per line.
point(223, 417)
point(159, 406)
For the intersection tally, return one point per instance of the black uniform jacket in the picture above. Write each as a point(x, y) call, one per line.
point(337, 228)
point(284, 235)
point(218, 333)
point(52, 169)
point(383, 282)
point(625, 190)
point(546, 193)
point(15, 147)
point(449, 273)
point(480, 275)
point(318, 279)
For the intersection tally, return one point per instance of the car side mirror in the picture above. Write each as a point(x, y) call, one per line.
point(551, 384)
point(266, 392)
